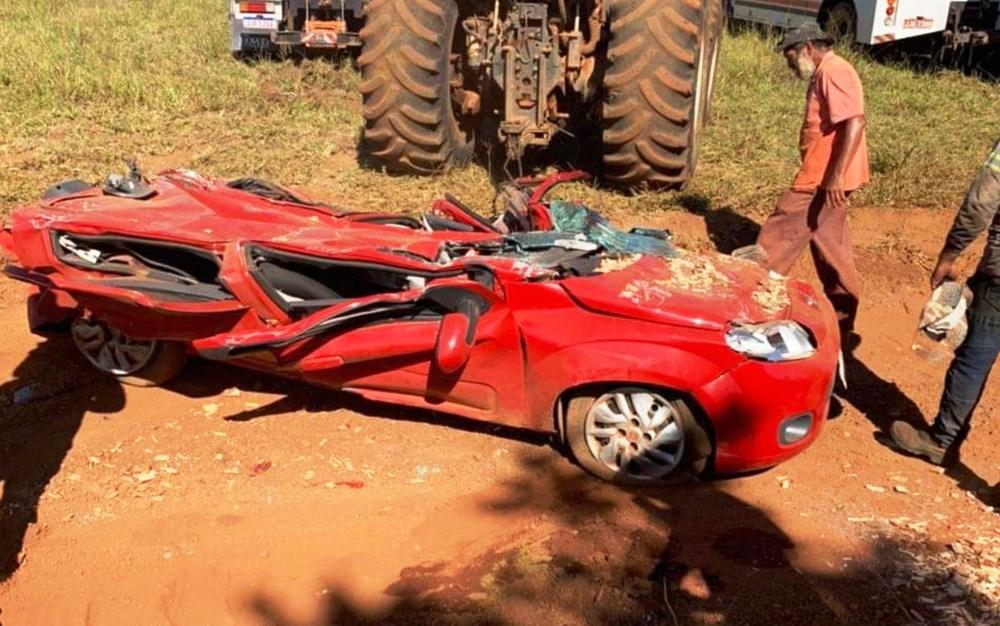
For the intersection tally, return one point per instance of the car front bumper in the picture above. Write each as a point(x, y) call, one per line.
point(757, 410)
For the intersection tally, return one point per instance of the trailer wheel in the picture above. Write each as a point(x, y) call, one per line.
point(661, 60)
point(411, 126)
point(840, 19)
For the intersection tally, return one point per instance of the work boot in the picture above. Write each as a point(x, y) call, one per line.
point(917, 442)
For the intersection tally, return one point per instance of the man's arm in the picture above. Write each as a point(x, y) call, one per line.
point(977, 213)
point(848, 138)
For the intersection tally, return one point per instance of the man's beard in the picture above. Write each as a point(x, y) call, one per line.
point(804, 67)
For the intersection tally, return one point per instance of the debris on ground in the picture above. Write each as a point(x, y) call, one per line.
point(29, 394)
point(145, 477)
point(959, 585)
point(260, 468)
point(693, 583)
point(352, 484)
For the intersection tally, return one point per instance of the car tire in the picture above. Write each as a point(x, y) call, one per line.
point(406, 70)
point(131, 362)
point(657, 87)
point(581, 416)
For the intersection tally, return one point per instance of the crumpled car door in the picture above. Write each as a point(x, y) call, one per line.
point(452, 343)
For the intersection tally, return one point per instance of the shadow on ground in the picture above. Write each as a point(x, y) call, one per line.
point(694, 554)
point(727, 229)
point(39, 416)
point(208, 379)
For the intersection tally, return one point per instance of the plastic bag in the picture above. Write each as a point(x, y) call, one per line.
point(943, 326)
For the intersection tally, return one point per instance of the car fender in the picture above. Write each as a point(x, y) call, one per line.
point(614, 362)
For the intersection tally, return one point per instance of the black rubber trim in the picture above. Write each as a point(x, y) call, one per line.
point(288, 307)
point(358, 317)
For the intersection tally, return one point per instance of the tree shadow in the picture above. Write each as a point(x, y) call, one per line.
point(39, 418)
point(693, 554)
point(209, 379)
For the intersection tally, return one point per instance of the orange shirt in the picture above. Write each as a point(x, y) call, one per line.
point(835, 95)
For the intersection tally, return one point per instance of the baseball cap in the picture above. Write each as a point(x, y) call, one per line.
point(809, 31)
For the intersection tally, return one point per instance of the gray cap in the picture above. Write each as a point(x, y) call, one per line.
point(809, 31)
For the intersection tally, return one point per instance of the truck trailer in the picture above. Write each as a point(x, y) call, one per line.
point(294, 25)
point(953, 24)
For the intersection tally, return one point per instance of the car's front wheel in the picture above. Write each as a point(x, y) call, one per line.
point(134, 362)
point(635, 436)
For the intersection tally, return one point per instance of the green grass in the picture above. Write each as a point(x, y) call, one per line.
point(85, 85)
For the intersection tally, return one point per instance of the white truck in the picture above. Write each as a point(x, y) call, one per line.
point(294, 25)
point(956, 23)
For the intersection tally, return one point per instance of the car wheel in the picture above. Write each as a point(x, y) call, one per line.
point(134, 362)
point(635, 436)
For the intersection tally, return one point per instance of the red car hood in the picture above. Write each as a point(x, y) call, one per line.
point(696, 290)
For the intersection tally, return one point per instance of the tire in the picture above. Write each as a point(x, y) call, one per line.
point(655, 93)
point(840, 19)
point(406, 70)
point(716, 24)
point(692, 450)
point(154, 362)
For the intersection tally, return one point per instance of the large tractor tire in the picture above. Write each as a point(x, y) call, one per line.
point(406, 71)
point(657, 89)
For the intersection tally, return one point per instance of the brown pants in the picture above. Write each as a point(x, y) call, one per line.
point(801, 218)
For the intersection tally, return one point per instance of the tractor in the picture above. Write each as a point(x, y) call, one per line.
point(441, 77)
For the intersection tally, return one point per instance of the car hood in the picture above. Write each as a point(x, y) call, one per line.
point(706, 291)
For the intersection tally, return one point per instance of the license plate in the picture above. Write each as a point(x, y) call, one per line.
point(257, 23)
point(258, 43)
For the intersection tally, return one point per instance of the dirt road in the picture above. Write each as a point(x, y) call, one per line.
point(235, 498)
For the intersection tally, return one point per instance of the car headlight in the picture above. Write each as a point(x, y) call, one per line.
point(772, 341)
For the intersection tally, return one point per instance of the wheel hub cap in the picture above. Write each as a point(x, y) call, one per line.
point(109, 350)
point(635, 433)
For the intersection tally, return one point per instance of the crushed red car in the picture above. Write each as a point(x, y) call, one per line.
point(647, 361)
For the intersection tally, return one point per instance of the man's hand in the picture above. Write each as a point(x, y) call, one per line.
point(945, 270)
point(835, 194)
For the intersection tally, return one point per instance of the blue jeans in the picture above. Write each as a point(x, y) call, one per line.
point(966, 379)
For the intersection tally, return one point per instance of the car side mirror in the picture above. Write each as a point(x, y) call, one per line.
point(457, 335)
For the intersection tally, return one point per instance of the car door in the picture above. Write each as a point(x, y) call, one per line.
point(448, 343)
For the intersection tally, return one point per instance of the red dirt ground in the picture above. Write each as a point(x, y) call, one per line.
point(231, 498)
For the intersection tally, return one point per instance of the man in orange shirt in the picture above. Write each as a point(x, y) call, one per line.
point(834, 164)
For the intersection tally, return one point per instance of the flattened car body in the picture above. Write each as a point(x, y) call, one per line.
point(442, 312)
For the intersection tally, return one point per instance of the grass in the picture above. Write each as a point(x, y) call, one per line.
point(85, 85)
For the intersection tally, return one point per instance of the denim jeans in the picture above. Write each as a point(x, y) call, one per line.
point(966, 378)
